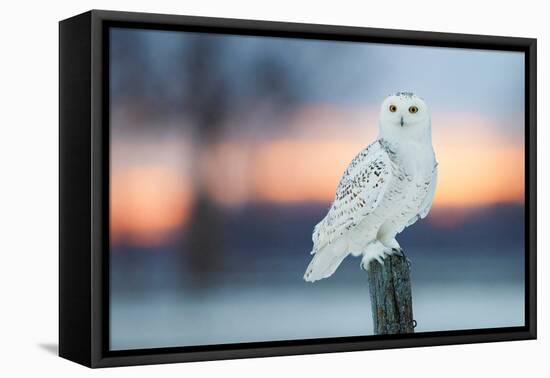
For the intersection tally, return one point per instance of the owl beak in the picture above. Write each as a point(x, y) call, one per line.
point(402, 122)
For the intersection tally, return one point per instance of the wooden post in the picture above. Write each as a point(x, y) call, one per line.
point(390, 294)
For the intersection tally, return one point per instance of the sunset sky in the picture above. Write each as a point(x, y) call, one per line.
point(476, 99)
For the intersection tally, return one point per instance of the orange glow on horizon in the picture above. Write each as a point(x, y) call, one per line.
point(147, 203)
point(293, 171)
point(477, 166)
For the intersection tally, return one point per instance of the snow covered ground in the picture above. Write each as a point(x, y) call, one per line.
point(448, 294)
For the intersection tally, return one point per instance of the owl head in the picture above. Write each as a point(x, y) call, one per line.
point(405, 116)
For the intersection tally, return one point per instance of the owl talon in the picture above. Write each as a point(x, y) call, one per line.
point(398, 251)
point(365, 264)
point(402, 253)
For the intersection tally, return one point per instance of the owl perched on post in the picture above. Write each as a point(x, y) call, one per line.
point(387, 187)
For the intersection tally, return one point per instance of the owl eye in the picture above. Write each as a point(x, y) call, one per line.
point(413, 109)
point(393, 108)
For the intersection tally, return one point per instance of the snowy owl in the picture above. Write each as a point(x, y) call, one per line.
point(388, 186)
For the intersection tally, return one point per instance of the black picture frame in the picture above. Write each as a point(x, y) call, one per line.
point(84, 183)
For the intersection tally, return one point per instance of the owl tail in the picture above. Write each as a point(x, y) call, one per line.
point(326, 260)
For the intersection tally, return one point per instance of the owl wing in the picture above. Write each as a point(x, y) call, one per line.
point(427, 203)
point(428, 199)
point(359, 192)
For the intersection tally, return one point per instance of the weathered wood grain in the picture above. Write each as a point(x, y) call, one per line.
point(391, 295)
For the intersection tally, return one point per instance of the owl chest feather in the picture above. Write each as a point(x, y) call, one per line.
point(412, 169)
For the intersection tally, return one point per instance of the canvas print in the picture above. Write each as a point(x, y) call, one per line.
point(275, 189)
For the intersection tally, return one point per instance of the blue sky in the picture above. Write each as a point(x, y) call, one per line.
point(485, 82)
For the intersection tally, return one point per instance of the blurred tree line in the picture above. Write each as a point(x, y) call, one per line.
point(196, 85)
